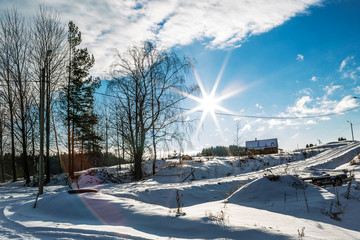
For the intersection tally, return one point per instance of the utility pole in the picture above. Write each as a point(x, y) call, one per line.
point(48, 100)
point(41, 160)
point(352, 132)
point(42, 103)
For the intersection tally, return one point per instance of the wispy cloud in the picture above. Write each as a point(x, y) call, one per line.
point(247, 127)
point(112, 24)
point(344, 62)
point(345, 103)
point(314, 79)
point(305, 91)
point(295, 135)
point(259, 106)
point(300, 57)
point(307, 106)
point(357, 90)
point(330, 89)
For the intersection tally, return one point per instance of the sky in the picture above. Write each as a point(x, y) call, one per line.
point(283, 58)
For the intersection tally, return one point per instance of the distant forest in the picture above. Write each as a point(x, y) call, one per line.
point(223, 151)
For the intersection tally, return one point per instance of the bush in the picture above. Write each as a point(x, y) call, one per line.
point(187, 157)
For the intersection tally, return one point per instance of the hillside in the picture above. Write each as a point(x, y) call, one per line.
point(217, 198)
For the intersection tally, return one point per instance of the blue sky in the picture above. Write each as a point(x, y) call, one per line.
point(294, 63)
point(291, 58)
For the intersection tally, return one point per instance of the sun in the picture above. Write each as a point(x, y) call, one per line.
point(208, 103)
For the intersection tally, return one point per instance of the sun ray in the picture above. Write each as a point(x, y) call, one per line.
point(202, 119)
point(212, 94)
point(196, 109)
point(186, 95)
point(201, 86)
point(217, 124)
point(230, 94)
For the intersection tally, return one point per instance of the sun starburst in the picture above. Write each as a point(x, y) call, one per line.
point(208, 102)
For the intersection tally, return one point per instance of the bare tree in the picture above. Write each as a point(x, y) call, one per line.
point(2, 120)
point(115, 126)
point(16, 76)
point(48, 34)
point(19, 43)
point(6, 68)
point(144, 79)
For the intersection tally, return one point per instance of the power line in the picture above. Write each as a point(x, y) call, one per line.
point(284, 118)
point(254, 116)
point(262, 117)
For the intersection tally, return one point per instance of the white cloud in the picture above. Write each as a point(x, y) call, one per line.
point(259, 106)
point(344, 62)
point(307, 106)
point(295, 135)
point(112, 24)
point(304, 106)
point(330, 89)
point(247, 127)
point(314, 79)
point(260, 129)
point(306, 91)
point(300, 57)
point(345, 104)
point(310, 122)
point(357, 90)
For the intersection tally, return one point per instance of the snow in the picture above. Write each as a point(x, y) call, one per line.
point(220, 198)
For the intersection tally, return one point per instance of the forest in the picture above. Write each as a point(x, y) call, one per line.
point(222, 151)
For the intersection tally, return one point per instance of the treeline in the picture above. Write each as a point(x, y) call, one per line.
point(138, 114)
point(222, 151)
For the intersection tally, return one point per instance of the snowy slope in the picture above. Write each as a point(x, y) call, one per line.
point(223, 198)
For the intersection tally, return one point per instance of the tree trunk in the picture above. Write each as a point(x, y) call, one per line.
point(70, 169)
point(1, 150)
point(123, 142)
point(47, 180)
point(56, 141)
point(33, 153)
point(137, 165)
point(12, 133)
point(118, 144)
point(13, 164)
point(73, 150)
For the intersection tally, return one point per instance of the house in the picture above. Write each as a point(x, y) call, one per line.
point(265, 146)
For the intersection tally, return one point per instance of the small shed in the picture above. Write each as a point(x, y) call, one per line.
point(264, 146)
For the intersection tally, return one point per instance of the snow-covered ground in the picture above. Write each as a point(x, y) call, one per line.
point(217, 198)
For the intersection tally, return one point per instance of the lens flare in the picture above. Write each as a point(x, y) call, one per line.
point(209, 103)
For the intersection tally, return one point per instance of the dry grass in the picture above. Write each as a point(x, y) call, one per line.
point(179, 203)
point(220, 217)
point(301, 233)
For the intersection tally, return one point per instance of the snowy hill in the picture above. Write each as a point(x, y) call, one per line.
point(217, 198)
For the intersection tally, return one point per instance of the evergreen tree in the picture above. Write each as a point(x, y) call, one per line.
point(78, 99)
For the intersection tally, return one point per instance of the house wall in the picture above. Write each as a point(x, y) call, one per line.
point(262, 144)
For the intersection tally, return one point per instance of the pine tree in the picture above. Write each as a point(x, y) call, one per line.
point(78, 99)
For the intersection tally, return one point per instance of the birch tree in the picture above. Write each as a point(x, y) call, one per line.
point(144, 79)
